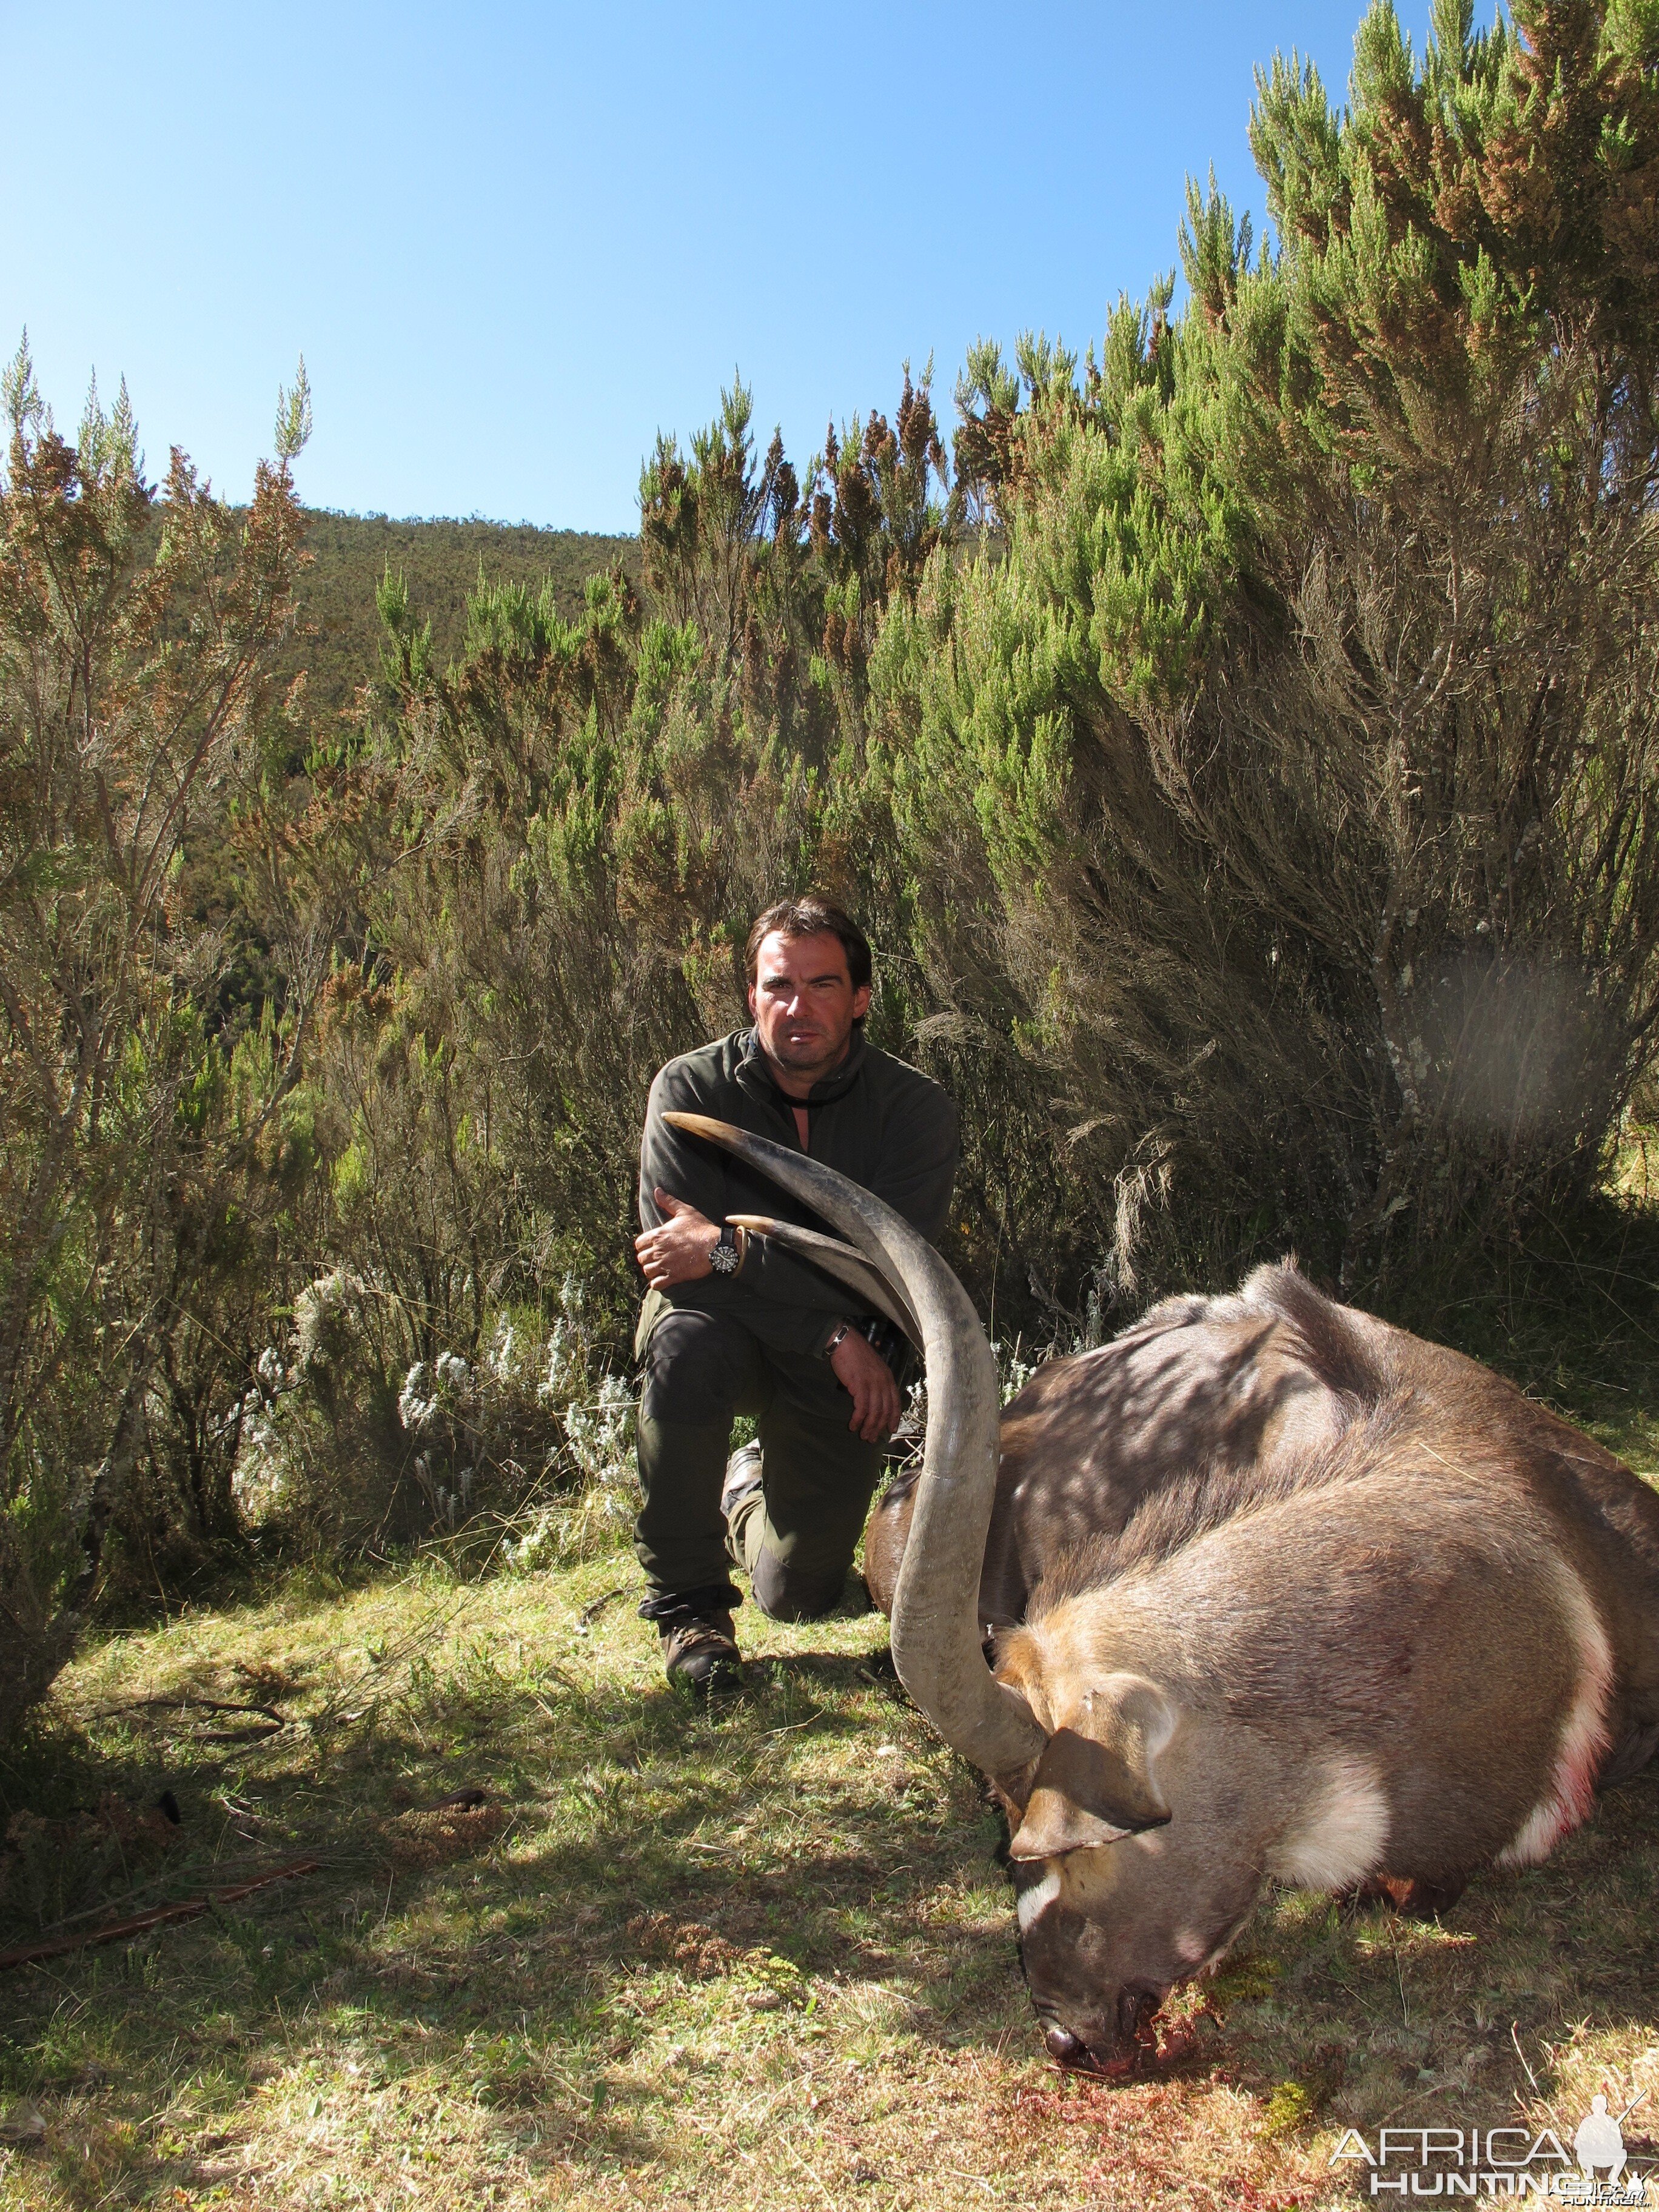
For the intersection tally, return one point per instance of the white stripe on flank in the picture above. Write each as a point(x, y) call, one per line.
point(1583, 1743)
point(1342, 1837)
point(1037, 1900)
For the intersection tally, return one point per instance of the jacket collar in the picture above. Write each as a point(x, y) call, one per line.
point(756, 1075)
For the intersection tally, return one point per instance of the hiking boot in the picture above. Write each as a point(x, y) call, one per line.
point(738, 1493)
point(701, 1654)
point(855, 1599)
point(699, 1648)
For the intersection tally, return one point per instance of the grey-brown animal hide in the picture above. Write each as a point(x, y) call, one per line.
point(1276, 1591)
point(1400, 1620)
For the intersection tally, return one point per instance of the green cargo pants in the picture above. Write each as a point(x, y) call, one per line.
point(796, 1544)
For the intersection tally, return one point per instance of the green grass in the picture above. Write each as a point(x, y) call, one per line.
point(764, 1956)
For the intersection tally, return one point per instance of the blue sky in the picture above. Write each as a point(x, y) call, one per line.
point(513, 241)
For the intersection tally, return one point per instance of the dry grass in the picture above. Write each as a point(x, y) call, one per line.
point(759, 1958)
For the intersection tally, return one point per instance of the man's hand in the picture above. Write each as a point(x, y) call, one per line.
point(678, 1251)
point(860, 1368)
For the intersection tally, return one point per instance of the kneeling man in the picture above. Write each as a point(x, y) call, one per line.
point(731, 1325)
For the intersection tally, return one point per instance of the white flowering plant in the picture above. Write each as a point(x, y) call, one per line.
point(338, 1439)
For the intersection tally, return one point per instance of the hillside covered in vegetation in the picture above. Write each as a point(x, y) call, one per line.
point(338, 630)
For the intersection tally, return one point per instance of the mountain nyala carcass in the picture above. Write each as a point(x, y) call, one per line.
point(1275, 1591)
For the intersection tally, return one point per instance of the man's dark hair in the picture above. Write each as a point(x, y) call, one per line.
point(811, 916)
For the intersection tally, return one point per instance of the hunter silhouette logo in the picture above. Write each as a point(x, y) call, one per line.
point(1599, 2145)
point(1504, 2161)
point(1599, 2140)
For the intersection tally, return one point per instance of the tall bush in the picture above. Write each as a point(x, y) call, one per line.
point(555, 845)
point(137, 1117)
point(1280, 800)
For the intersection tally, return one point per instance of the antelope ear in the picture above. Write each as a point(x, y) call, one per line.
point(1095, 1784)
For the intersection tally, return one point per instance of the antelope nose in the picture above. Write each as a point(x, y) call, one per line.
point(1065, 2048)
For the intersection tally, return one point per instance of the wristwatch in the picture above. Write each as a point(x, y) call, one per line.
point(726, 1257)
point(841, 1330)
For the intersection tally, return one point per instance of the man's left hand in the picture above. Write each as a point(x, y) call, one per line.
point(861, 1371)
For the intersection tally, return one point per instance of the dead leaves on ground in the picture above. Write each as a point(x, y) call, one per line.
point(769, 1981)
point(456, 1828)
point(697, 1951)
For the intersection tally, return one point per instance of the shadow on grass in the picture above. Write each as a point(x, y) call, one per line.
point(658, 1875)
point(1571, 1313)
point(832, 1671)
point(678, 1892)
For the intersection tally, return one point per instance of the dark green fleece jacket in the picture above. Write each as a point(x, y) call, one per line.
point(875, 1121)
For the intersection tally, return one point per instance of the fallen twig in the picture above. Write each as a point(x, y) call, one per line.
point(591, 1612)
point(1514, 2038)
point(268, 1723)
point(191, 1908)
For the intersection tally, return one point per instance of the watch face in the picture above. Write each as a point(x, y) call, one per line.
point(724, 1259)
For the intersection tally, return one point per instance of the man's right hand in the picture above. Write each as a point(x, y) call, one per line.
point(861, 1371)
point(677, 1250)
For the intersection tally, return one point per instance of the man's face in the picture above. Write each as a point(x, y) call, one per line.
point(804, 1003)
